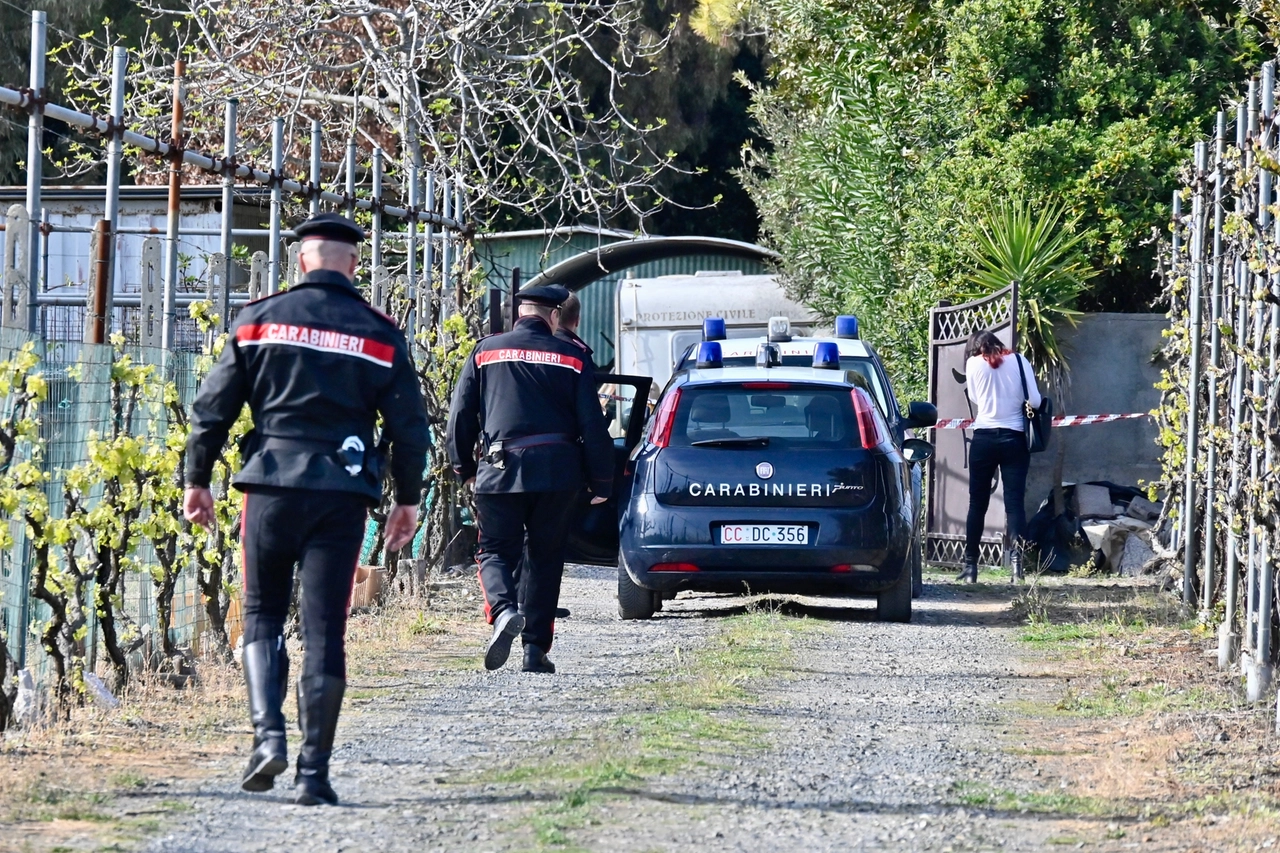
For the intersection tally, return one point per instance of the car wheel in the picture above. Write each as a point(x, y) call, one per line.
point(894, 604)
point(917, 570)
point(634, 601)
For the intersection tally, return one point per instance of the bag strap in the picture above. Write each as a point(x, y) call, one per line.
point(1026, 395)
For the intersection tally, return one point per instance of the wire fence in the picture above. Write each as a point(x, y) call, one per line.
point(1220, 418)
point(67, 286)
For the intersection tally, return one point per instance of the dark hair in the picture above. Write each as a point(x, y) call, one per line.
point(570, 311)
point(987, 345)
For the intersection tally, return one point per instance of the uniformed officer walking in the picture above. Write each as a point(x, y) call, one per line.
point(529, 400)
point(316, 364)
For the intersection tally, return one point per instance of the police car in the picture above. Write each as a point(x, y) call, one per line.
point(779, 464)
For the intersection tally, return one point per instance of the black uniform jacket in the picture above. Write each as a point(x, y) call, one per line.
point(566, 335)
point(528, 383)
point(316, 364)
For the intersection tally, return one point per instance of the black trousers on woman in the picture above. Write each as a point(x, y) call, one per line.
point(990, 449)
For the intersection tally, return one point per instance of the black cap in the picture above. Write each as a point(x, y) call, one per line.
point(548, 294)
point(330, 226)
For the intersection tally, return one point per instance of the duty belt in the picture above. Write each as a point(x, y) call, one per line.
point(350, 452)
point(539, 438)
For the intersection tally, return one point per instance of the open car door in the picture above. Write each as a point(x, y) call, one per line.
point(593, 536)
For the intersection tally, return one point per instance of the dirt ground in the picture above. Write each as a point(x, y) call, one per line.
point(1074, 713)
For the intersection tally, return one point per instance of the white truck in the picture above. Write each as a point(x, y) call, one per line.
point(659, 318)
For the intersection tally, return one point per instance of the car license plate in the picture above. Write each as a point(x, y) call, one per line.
point(764, 534)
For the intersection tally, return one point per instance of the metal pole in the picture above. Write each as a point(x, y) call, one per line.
point(1228, 636)
point(375, 243)
point(115, 152)
point(229, 143)
point(1175, 266)
point(169, 330)
point(1258, 676)
point(428, 243)
point(277, 205)
point(351, 177)
point(35, 160)
point(411, 249)
point(446, 305)
point(459, 259)
point(1215, 353)
point(1193, 383)
point(316, 142)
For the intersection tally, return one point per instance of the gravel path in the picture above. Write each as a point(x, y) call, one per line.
point(868, 744)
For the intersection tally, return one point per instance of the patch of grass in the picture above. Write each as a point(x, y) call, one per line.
point(981, 795)
point(1118, 698)
point(1047, 633)
point(128, 779)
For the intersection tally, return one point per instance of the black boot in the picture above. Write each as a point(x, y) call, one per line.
point(319, 701)
point(506, 628)
point(266, 672)
point(536, 660)
point(968, 574)
point(1016, 565)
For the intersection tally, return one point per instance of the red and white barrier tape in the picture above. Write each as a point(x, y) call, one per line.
point(1059, 421)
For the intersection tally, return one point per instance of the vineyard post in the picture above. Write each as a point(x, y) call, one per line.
point(228, 206)
point(170, 327)
point(1215, 353)
point(316, 166)
point(375, 241)
point(35, 163)
point(277, 205)
point(115, 152)
point(1228, 634)
point(1194, 300)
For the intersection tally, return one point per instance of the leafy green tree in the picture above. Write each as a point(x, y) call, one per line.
point(1095, 103)
point(890, 129)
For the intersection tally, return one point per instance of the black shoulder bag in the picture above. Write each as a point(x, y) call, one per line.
point(1037, 421)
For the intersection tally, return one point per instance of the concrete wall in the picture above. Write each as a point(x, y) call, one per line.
point(1112, 372)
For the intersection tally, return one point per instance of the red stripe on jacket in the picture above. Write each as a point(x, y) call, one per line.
point(529, 356)
point(321, 340)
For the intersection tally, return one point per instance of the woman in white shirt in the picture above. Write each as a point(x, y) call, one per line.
point(994, 377)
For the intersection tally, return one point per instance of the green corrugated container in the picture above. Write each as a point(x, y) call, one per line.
point(534, 251)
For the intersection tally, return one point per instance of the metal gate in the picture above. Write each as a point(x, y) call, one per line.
point(948, 501)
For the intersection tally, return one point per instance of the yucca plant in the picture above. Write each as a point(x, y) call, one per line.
point(1028, 242)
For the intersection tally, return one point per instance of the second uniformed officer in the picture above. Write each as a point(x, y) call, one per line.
point(316, 364)
point(529, 399)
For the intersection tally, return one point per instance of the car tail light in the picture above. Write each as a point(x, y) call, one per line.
point(870, 424)
point(844, 568)
point(841, 569)
point(664, 419)
point(766, 386)
point(674, 567)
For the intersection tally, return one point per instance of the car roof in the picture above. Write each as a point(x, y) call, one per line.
point(771, 374)
point(739, 347)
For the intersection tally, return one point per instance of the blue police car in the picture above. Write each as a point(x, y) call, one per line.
point(772, 465)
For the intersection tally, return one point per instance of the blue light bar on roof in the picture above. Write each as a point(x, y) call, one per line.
point(709, 355)
point(847, 326)
point(826, 355)
point(713, 329)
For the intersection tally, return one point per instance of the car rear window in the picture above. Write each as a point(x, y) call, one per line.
point(789, 415)
point(857, 365)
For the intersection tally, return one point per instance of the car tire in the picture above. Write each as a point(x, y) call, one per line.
point(634, 601)
point(894, 604)
point(917, 570)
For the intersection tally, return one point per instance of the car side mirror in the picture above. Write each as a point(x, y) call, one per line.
point(916, 450)
point(920, 415)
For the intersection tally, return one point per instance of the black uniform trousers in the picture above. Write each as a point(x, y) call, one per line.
point(505, 520)
point(321, 532)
